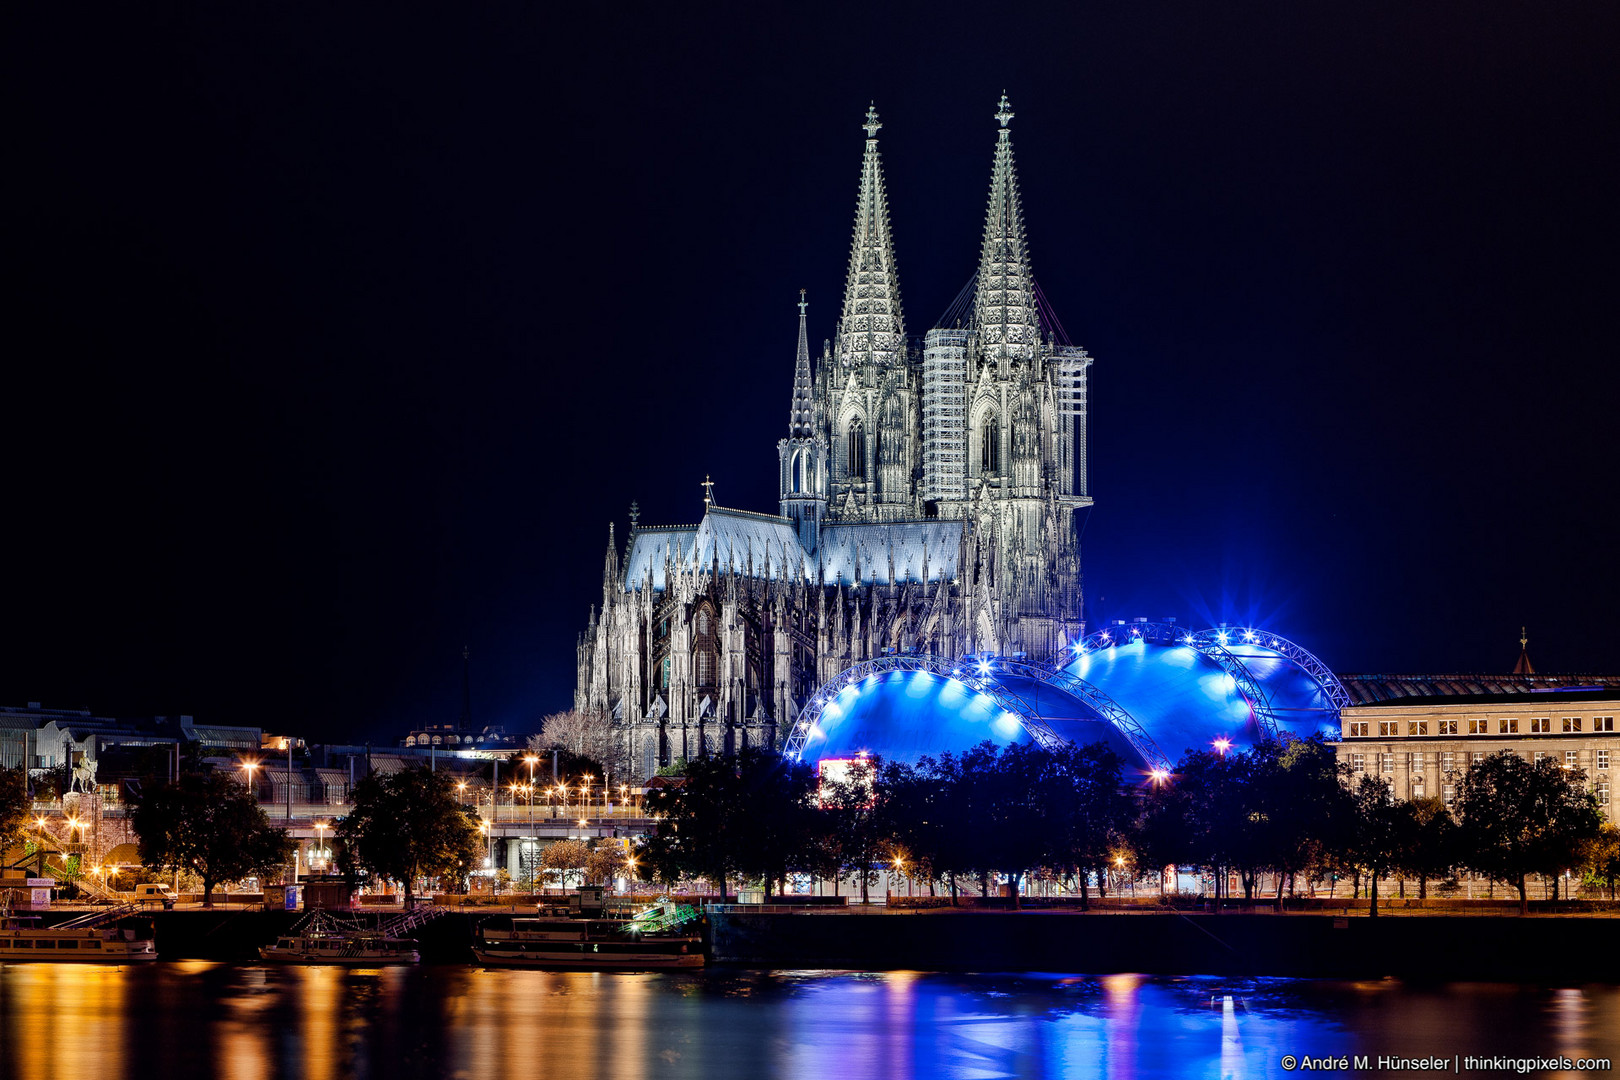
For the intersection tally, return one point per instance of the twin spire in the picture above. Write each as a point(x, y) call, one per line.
point(872, 330)
point(1004, 306)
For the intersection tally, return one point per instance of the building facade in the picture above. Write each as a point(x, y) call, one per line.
point(928, 491)
point(1423, 745)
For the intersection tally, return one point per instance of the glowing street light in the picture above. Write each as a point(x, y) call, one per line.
point(1158, 776)
point(1222, 745)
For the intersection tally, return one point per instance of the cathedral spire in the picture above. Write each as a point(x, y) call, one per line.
point(801, 419)
point(871, 329)
point(1004, 307)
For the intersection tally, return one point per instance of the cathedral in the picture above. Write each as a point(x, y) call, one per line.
point(928, 491)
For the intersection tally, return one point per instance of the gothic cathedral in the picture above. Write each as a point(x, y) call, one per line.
point(927, 505)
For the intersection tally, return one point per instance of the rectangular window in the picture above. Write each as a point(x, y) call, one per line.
point(1389, 729)
point(1508, 725)
point(1448, 727)
point(1541, 725)
point(1603, 759)
point(1572, 759)
point(22, 944)
point(1448, 793)
point(1538, 756)
point(1354, 728)
point(1417, 727)
point(1476, 757)
point(1572, 723)
point(1448, 761)
point(92, 944)
point(67, 944)
point(1358, 763)
point(1601, 790)
point(1479, 727)
point(1386, 763)
point(1602, 723)
point(1416, 764)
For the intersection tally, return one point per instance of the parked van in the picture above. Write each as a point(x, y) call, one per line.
point(155, 894)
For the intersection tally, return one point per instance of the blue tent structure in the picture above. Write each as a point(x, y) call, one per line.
point(1150, 691)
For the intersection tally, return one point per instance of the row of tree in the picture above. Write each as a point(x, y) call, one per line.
point(1287, 810)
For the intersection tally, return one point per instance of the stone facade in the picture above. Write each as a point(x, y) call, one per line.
point(927, 501)
point(1422, 746)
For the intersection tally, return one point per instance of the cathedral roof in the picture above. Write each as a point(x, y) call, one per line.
point(867, 545)
point(735, 539)
point(730, 537)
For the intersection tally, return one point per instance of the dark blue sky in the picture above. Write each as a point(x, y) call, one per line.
point(336, 340)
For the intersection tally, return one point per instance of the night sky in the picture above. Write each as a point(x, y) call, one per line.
point(336, 340)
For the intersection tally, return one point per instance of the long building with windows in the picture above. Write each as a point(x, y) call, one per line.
point(1423, 743)
point(928, 490)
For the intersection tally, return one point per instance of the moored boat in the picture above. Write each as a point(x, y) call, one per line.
point(321, 938)
point(92, 938)
point(585, 937)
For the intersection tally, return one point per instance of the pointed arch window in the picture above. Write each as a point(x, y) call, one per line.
point(857, 449)
point(990, 446)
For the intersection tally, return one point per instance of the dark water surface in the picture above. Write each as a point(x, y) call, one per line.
point(183, 1020)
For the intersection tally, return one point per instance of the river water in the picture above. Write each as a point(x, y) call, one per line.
point(183, 1020)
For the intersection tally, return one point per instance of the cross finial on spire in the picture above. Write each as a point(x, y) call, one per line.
point(635, 514)
point(708, 490)
point(1005, 113)
point(871, 124)
point(1524, 638)
point(802, 303)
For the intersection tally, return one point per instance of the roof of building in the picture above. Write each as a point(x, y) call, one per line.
point(739, 540)
point(1549, 697)
point(866, 548)
point(1393, 689)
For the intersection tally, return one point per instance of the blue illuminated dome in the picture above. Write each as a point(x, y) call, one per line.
point(1150, 691)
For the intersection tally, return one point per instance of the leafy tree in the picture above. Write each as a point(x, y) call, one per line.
point(211, 826)
point(1089, 812)
point(780, 819)
point(701, 831)
point(406, 826)
point(605, 862)
point(855, 805)
point(1600, 858)
point(1520, 818)
point(14, 806)
point(1428, 842)
point(1376, 845)
point(567, 857)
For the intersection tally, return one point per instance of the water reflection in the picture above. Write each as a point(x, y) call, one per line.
point(327, 1023)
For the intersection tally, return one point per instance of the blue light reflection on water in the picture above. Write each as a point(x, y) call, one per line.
point(180, 1021)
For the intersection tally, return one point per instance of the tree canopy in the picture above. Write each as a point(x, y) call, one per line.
point(407, 826)
point(1520, 818)
point(210, 825)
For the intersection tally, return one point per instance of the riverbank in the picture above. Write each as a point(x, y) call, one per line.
point(1433, 947)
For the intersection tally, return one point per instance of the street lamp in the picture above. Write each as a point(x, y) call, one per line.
point(320, 842)
point(562, 793)
point(585, 795)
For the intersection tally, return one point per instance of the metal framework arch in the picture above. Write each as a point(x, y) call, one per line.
point(1319, 672)
point(963, 672)
point(1096, 699)
point(1216, 644)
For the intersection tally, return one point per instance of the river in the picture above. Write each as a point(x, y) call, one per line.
point(183, 1020)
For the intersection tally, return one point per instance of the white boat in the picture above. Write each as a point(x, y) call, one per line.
point(587, 938)
point(87, 939)
point(324, 939)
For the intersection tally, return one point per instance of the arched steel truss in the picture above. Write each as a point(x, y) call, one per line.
point(1217, 643)
point(1101, 703)
point(964, 671)
point(967, 672)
